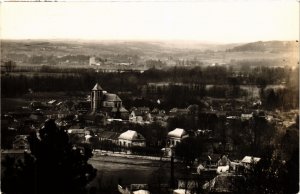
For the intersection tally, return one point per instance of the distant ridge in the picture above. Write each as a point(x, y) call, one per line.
point(271, 46)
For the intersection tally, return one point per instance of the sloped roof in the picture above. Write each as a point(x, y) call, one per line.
point(20, 138)
point(97, 87)
point(250, 159)
point(122, 109)
point(155, 110)
point(108, 135)
point(224, 161)
point(76, 131)
point(193, 107)
point(181, 191)
point(51, 101)
point(224, 183)
point(143, 108)
point(178, 132)
point(75, 127)
point(179, 110)
point(141, 192)
point(131, 135)
point(111, 97)
point(138, 113)
point(173, 110)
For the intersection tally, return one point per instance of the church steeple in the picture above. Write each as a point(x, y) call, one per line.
point(96, 97)
point(97, 87)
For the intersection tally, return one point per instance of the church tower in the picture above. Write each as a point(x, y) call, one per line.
point(96, 97)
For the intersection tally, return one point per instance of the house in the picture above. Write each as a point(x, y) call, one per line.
point(132, 190)
point(62, 114)
point(93, 61)
point(83, 106)
point(140, 115)
point(121, 113)
point(61, 122)
point(176, 136)
point(21, 142)
point(187, 183)
point(223, 165)
point(109, 136)
point(193, 109)
point(191, 182)
point(77, 130)
point(178, 112)
point(136, 117)
point(158, 115)
point(93, 129)
point(246, 116)
point(131, 138)
point(66, 106)
point(181, 191)
point(143, 110)
point(17, 154)
point(96, 118)
point(248, 161)
point(224, 161)
point(37, 105)
point(80, 134)
point(51, 102)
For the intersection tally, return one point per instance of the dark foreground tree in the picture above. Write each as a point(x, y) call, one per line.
point(273, 176)
point(189, 149)
point(53, 166)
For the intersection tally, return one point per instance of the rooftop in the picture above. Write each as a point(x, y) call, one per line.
point(178, 132)
point(97, 87)
point(111, 97)
point(131, 135)
point(250, 159)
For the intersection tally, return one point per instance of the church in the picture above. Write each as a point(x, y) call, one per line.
point(106, 103)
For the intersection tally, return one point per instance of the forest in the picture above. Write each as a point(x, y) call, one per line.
point(184, 85)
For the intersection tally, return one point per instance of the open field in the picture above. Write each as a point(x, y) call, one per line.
point(74, 54)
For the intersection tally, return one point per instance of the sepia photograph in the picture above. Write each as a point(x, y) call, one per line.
point(149, 97)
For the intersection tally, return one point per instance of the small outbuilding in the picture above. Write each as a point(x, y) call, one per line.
point(21, 142)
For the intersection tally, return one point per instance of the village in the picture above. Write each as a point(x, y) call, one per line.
point(223, 136)
point(149, 97)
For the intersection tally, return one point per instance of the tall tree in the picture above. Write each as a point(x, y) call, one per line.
point(53, 166)
point(273, 176)
point(189, 149)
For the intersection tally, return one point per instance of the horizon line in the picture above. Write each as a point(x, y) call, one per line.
point(143, 40)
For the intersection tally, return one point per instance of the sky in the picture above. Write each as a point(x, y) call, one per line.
point(229, 21)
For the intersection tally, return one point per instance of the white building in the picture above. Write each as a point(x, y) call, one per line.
point(93, 61)
point(176, 136)
point(248, 161)
point(131, 138)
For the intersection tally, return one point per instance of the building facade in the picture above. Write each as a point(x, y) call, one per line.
point(131, 138)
